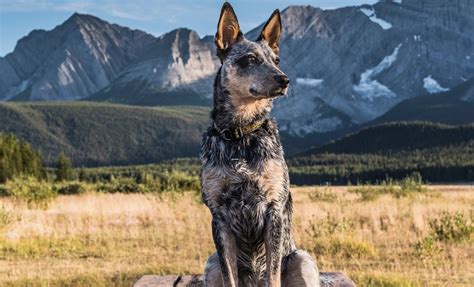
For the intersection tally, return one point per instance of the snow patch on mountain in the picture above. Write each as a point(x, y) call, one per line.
point(370, 89)
point(308, 126)
point(373, 17)
point(305, 113)
point(309, 82)
point(432, 86)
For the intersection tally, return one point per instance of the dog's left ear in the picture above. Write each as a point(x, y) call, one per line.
point(271, 32)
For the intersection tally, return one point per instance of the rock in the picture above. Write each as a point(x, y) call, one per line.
point(328, 279)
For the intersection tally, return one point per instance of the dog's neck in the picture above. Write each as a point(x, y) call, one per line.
point(232, 110)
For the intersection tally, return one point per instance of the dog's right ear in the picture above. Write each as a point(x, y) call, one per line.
point(228, 29)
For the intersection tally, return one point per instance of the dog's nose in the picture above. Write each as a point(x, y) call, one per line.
point(282, 80)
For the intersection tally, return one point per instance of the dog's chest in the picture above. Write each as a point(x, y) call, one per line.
point(244, 205)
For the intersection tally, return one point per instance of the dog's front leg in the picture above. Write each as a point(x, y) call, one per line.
point(273, 245)
point(226, 247)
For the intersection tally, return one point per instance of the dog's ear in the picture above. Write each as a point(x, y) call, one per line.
point(228, 30)
point(271, 32)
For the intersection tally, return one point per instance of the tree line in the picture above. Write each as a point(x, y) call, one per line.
point(18, 158)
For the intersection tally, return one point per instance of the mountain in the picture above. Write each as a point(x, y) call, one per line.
point(73, 61)
point(178, 69)
point(348, 66)
point(86, 56)
point(451, 107)
point(93, 134)
point(362, 61)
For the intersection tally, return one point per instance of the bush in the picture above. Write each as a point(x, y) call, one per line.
point(323, 194)
point(451, 228)
point(329, 226)
point(367, 193)
point(71, 188)
point(427, 246)
point(5, 217)
point(28, 189)
point(179, 181)
point(383, 281)
point(343, 247)
point(409, 185)
point(63, 169)
point(122, 185)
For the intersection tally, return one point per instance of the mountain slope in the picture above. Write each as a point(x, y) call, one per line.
point(451, 107)
point(364, 60)
point(70, 62)
point(178, 69)
point(440, 153)
point(394, 137)
point(94, 134)
point(347, 66)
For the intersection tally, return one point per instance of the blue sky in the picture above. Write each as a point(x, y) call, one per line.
point(19, 17)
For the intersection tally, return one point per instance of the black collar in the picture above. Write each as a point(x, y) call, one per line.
point(238, 132)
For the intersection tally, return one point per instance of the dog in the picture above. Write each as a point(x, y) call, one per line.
point(244, 176)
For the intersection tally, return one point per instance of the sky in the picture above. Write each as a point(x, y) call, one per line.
point(19, 17)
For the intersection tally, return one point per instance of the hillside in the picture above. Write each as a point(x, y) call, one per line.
point(440, 153)
point(106, 134)
point(399, 136)
point(450, 107)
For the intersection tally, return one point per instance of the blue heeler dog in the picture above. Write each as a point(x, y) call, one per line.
point(244, 174)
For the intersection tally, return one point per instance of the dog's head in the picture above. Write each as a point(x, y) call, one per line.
point(250, 69)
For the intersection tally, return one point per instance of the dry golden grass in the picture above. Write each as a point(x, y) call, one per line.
point(111, 239)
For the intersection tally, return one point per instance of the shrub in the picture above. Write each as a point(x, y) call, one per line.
point(343, 247)
point(451, 228)
point(71, 188)
point(383, 281)
point(63, 169)
point(409, 185)
point(367, 193)
point(6, 217)
point(122, 185)
point(323, 194)
point(28, 189)
point(329, 226)
point(179, 181)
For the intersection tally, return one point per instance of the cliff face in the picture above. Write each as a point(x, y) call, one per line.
point(361, 61)
point(347, 66)
point(72, 61)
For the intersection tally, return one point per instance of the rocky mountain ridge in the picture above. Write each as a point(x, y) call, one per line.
point(348, 66)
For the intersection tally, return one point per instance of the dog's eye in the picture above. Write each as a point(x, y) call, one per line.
point(247, 60)
point(277, 60)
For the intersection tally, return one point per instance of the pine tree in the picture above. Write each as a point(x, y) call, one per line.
point(63, 168)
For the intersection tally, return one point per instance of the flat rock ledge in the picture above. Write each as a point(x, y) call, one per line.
point(328, 279)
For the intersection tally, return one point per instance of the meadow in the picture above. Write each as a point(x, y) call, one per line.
point(403, 234)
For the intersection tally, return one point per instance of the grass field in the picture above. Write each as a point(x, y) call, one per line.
point(97, 239)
